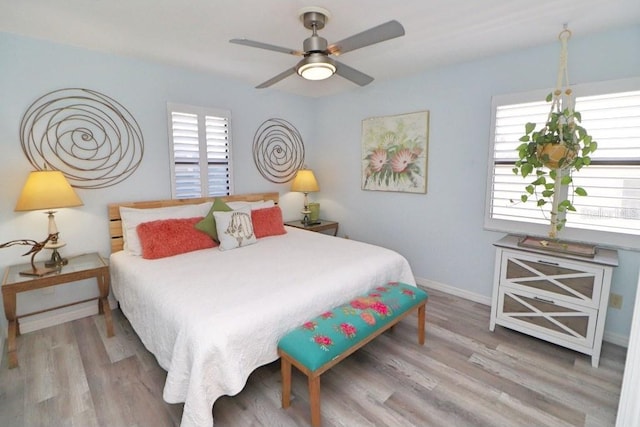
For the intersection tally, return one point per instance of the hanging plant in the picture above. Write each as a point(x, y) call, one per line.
point(550, 155)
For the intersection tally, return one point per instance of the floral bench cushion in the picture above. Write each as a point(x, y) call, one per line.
point(327, 336)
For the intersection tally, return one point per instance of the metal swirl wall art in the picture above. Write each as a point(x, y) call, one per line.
point(278, 150)
point(91, 138)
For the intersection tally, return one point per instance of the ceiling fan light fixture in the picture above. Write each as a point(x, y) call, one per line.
point(316, 67)
point(316, 63)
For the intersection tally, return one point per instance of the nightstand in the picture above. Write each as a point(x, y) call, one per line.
point(79, 268)
point(320, 225)
point(558, 297)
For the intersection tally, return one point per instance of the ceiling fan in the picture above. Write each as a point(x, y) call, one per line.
point(316, 63)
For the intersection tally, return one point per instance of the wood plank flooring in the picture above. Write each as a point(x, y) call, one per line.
point(72, 375)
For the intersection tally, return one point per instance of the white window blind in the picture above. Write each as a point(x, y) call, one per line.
point(610, 213)
point(200, 152)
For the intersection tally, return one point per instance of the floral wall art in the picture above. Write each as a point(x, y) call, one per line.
point(394, 152)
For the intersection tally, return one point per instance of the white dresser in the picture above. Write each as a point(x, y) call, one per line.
point(553, 296)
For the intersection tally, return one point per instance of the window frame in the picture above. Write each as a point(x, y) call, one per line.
point(202, 113)
point(601, 238)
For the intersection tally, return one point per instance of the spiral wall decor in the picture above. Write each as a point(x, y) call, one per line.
point(278, 150)
point(91, 138)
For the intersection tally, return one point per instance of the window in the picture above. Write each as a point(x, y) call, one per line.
point(200, 151)
point(610, 213)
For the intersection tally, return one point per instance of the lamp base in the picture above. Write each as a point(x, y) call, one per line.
point(306, 221)
point(56, 260)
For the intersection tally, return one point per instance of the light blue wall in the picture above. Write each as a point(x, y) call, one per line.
point(441, 233)
point(31, 68)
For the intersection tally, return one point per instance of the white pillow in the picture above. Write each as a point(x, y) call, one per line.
point(131, 217)
point(234, 228)
point(260, 204)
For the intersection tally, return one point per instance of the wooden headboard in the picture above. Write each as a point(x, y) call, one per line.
point(115, 223)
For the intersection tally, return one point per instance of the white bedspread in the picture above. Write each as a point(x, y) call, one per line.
point(211, 317)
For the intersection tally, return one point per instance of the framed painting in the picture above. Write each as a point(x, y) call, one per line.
point(394, 153)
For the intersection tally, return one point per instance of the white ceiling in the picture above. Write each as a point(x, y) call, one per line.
point(195, 33)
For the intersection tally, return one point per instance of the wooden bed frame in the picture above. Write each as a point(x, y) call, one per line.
point(115, 223)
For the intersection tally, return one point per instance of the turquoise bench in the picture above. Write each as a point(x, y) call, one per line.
point(322, 342)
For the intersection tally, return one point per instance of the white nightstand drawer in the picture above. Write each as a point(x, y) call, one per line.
point(553, 320)
point(552, 277)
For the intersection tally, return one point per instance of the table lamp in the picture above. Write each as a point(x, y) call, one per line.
point(305, 182)
point(48, 189)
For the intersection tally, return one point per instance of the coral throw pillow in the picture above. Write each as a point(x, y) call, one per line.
point(168, 237)
point(267, 222)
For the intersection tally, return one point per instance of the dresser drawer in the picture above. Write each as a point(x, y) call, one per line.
point(554, 320)
point(552, 278)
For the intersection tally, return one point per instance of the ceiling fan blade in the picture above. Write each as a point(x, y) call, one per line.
point(382, 32)
point(277, 78)
point(352, 74)
point(266, 46)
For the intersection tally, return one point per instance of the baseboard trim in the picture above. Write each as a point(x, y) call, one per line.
point(471, 296)
point(616, 339)
point(609, 337)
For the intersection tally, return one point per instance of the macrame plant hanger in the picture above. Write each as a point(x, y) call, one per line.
point(562, 100)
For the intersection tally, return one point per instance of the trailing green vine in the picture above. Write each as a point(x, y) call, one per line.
point(551, 154)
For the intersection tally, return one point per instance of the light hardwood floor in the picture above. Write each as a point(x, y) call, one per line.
point(72, 375)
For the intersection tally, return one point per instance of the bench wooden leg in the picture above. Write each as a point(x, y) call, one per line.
point(422, 311)
point(285, 369)
point(314, 399)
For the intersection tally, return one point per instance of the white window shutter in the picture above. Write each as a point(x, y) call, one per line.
point(217, 136)
point(610, 213)
point(200, 152)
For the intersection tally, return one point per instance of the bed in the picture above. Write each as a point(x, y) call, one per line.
point(211, 317)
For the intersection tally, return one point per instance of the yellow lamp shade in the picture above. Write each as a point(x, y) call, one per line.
point(305, 182)
point(47, 190)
